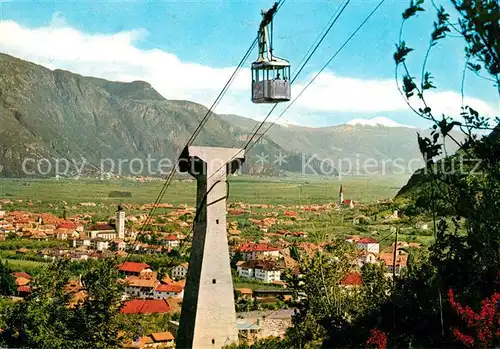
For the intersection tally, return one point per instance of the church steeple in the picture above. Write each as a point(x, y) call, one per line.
point(341, 195)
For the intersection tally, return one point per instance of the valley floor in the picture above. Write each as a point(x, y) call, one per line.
point(248, 189)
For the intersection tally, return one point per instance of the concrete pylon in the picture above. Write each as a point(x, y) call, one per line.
point(208, 316)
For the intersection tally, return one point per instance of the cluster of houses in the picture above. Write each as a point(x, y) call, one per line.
point(139, 281)
point(267, 262)
point(88, 241)
point(142, 282)
point(144, 294)
point(260, 262)
point(369, 252)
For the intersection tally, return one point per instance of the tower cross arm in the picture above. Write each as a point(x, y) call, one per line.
point(268, 15)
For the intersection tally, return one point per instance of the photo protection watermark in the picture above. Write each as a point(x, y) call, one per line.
point(263, 163)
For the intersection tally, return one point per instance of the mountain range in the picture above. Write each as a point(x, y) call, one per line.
point(66, 118)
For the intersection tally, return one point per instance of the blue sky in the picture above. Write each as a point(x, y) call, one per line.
point(187, 50)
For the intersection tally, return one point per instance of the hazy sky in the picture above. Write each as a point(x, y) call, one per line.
point(188, 50)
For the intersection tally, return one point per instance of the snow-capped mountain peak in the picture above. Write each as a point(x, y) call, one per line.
point(286, 122)
point(377, 121)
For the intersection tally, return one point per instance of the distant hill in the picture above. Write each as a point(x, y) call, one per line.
point(61, 115)
point(421, 182)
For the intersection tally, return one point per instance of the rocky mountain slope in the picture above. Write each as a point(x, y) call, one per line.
point(60, 115)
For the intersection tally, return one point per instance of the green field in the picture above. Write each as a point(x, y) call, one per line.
point(21, 264)
point(256, 286)
point(287, 191)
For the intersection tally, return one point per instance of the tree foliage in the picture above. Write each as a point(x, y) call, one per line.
point(462, 193)
point(463, 189)
point(467, 248)
point(329, 313)
point(54, 316)
point(267, 343)
point(7, 281)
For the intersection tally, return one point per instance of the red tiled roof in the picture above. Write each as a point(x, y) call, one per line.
point(169, 288)
point(260, 264)
point(244, 290)
point(21, 274)
point(17, 213)
point(133, 267)
point(26, 289)
point(162, 336)
point(367, 240)
point(145, 306)
point(236, 212)
point(172, 238)
point(388, 259)
point(252, 247)
point(101, 227)
point(67, 225)
point(181, 283)
point(352, 279)
point(20, 281)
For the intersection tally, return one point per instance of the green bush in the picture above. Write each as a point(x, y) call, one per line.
point(119, 194)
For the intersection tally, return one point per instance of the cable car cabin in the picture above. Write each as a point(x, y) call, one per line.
point(271, 82)
point(270, 74)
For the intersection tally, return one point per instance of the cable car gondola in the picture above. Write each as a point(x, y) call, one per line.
point(270, 74)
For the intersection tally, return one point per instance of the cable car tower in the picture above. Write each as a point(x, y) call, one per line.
point(270, 74)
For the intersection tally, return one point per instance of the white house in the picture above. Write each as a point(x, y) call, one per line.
point(245, 270)
point(64, 234)
point(142, 286)
point(366, 257)
point(94, 244)
point(369, 244)
point(172, 241)
point(81, 242)
point(61, 234)
point(388, 260)
point(99, 244)
point(180, 271)
point(119, 244)
point(262, 270)
point(252, 251)
point(267, 275)
point(164, 291)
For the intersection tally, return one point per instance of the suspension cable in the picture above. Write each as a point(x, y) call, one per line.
point(201, 124)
